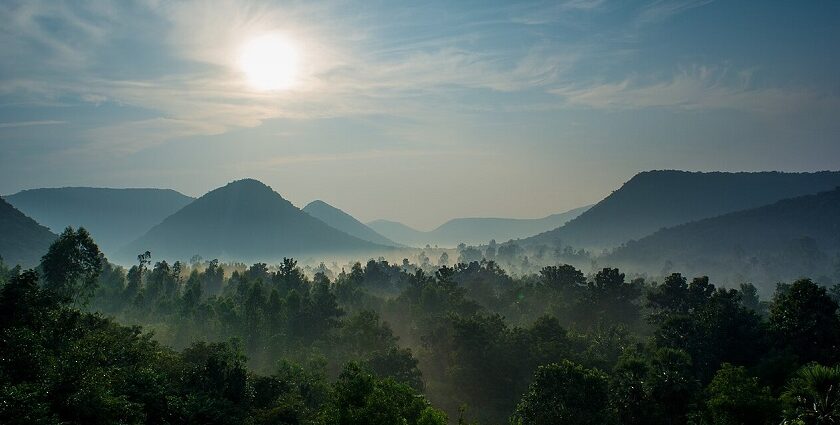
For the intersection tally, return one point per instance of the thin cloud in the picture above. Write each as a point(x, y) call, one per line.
point(696, 87)
point(30, 123)
point(661, 10)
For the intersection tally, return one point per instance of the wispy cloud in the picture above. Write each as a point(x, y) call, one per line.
point(356, 75)
point(355, 64)
point(697, 87)
point(661, 10)
point(30, 123)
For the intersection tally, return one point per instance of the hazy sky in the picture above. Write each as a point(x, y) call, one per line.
point(416, 111)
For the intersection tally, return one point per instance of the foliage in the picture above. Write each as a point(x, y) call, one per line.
point(386, 343)
point(565, 393)
point(72, 265)
point(813, 396)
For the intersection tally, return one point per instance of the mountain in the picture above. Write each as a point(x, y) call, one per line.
point(398, 232)
point(656, 199)
point(22, 240)
point(473, 230)
point(777, 242)
point(340, 220)
point(113, 217)
point(244, 220)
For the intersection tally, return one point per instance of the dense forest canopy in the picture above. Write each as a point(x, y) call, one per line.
point(86, 341)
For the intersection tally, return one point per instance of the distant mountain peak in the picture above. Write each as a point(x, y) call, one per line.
point(338, 219)
point(248, 184)
point(473, 230)
point(244, 220)
point(113, 216)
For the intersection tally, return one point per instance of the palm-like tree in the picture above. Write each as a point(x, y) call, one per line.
point(813, 396)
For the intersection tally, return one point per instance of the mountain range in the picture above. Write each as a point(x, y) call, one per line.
point(113, 217)
point(246, 221)
point(657, 199)
point(472, 230)
point(777, 242)
point(22, 240)
point(340, 220)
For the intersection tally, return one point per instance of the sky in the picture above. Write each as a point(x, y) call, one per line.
point(416, 111)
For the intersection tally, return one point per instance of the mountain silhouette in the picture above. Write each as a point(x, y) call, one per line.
point(473, 230)
point(22, 240)
point(340, 220)
point(113, 217)
point(777, 242)
point(653, 200)
point(244, 220)
point(399, 232)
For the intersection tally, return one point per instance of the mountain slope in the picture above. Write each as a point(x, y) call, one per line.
point(340, 220)
point(398, 232)
point(473, 230)
point(480, 230)
point(656, 199)
point(114, 217)
point(22, 240)
point(781, 241)
point(244, 220)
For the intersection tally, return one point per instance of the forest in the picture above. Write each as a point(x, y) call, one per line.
point(86, 341)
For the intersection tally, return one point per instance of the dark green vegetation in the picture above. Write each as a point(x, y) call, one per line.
point(473, 230)
point(340, 220)
point(656, 199)
point(114, 217)
point(230, 343)
point(22, 240)
point(791, 238)
point(244, 220)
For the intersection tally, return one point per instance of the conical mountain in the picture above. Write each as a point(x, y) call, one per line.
point(244, 220)
point(22, 240)
point(773, 243)
point(114, 217)
point(655, 199)
point(340, 220)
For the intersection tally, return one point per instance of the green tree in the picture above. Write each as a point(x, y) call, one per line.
point(565, 393)
point(812, 396)
point(72, 265)
point(736, 398)
point(361, 398)
point(804, 320)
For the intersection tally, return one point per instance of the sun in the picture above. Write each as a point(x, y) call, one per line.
point(270, 62)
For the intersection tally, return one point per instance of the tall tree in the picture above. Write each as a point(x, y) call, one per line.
point(72, 265)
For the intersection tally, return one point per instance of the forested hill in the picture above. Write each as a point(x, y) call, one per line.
point(340, 220)
point(22, 240)
point(656, 199)
point(788, 239)
point(244, 220)
point(474, 230)
point(114, 217)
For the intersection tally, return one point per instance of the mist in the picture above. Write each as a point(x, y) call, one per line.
point(580, 212)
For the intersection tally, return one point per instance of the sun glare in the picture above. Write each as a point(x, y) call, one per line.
point(270, 62)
